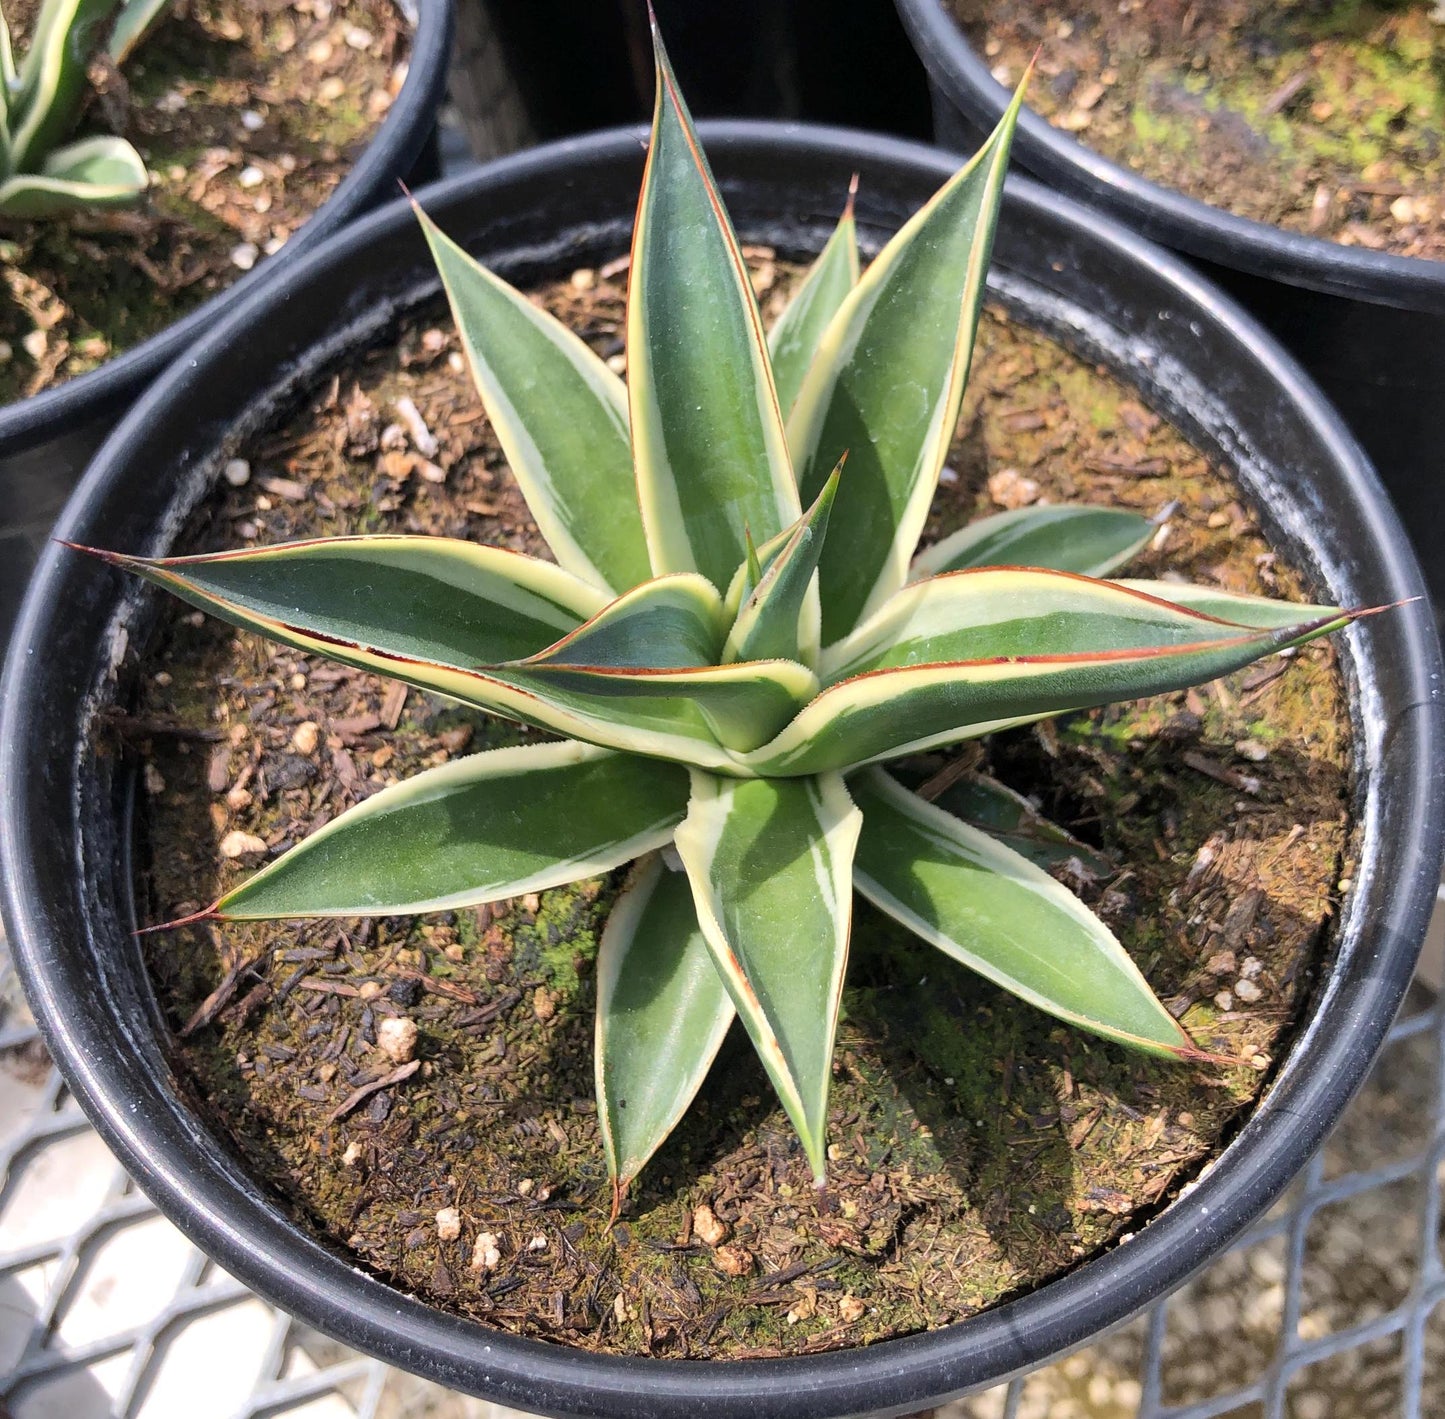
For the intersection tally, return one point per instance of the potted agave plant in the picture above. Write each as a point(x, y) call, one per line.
point(98, 252)
point(734, 641)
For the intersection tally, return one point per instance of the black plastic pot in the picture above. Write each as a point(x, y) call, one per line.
point(1111, 296)
point(46, 441)
point(1369, 326)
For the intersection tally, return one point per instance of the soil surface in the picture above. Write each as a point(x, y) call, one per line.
point(977, 1147)
point(248, 116)
point(1321, 116)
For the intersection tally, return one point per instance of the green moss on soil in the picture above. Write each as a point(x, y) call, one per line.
point(1322, 116)
point(977, 1147)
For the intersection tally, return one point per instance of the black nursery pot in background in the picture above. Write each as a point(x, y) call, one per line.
point(1077, 276)
point(1369, 326)
point(46, 441)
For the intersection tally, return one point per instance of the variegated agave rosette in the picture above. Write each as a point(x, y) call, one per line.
point(41, 96)
point(736, 634)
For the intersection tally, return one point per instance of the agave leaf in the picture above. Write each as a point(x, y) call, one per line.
point(94, 172)
point(993, 613)
point(794, 338)
point(476, 830)
point(780, 618)
point(662, 1013)
point(671, 622)
point(407, 596)
point(707, 438)
point(770, 865)
point(1063, 537)
point(888, 713)
point(1008, 817)
point(559, 413)
point(1265, 612)
point(428, 598)
point(7, 75)
point(742, 706)
point(51, 84)
point(988, 907)
point(887, 382)
point(132, 25)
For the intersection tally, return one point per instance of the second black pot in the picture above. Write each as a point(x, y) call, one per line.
point(1369, 326)
point(1191, 353)
point(46, 441)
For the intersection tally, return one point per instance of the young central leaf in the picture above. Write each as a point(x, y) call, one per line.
point(707, 438)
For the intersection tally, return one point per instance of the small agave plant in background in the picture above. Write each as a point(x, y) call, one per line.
point(41, 97)
point(737, 634)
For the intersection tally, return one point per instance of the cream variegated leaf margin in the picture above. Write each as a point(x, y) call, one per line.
point(794, 338)
point(479, 829)
point(1265, 612)
point(771, 869)
point(991, 909)
point(886, 385)
point(559, 413)
point(710, 456)
point(662, 1014)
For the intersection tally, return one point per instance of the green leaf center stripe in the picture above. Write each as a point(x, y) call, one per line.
point(427, 598)
point(669, 623)
point(771, 871)
point(1000, 915)
point(709, 451)
point(1014, 613)
point(559, 413)
point(1063, 537)
point(662, 1014)
point(475, 830)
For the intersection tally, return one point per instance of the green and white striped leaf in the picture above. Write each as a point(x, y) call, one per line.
point(771, 871)
point(559, 413)
point(135, 21)
point(781, 616)
point(1008, 817)
point(1018, 613)
point(478, 829)
point(1265, 612)
point(794, 338)
point(671, 622)
point(662, 1014)
point(51, 84)
point(741, 706)
point(94, 172)
point(424, 598)
point(991, 909)
point(643, 714)
point(887, 713)
point(887, 383)
point(1064, 537)
point(708, 446)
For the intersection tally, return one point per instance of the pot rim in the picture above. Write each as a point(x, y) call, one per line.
point(393, 148)
point(201, 1188)
point(1162, 213)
